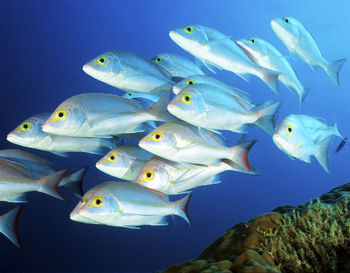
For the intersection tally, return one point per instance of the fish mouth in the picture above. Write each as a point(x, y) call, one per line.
point(276, 26)
point(87, 69)
point(46, 127)
point(176, 89)
point(14, 139)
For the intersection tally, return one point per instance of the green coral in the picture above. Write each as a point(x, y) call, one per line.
point(315, 240)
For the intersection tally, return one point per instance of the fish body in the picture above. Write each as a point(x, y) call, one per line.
point(30, 134)
point(179, 141)
point(129, 71)
point(214, 48)
point(266, 55)
point(177, 65)
point(39, 167)
point(204, 79)
point(302, 136)
point(171, 177)
point(124, 162)
point(103, 115)
point(15, 180)
point(300, 42)
point(127, 205)
point(139, 95)
point(212, 108)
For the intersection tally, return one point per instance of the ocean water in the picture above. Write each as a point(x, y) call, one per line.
point(43, 47)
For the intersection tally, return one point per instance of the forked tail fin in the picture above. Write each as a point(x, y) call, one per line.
point(49, 184)
point(8, 225)
point(182, 205)
point(322, 152)
point(333, 69)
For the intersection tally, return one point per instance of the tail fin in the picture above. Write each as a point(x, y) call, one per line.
point(333, 69)
point(8, 225)
point(322, 153)
point(74, 182)
point(266, 115)
point(239, 156)
point(335, 130)
point(49, 184)
point(231, 166)
point(302, 95)
point(159, 109)
point(270, 78)
point(182, 205)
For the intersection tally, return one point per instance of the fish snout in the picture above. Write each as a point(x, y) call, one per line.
point(176, 89)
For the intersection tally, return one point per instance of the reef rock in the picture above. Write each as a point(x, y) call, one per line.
point(313, 237)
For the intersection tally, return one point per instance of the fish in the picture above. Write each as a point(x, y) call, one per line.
point(300, 42)
point(124, 162)
point(138, 95)
point(177, 65)
point(129, 71)
point(209, 107)
point(301, 136)
point(196, 79)
point(341, 144)
point(129, 205)
point(180, 141)
point(103, 115)
point(40, 167)
point(29, 134)
point(215, 49)
point(8, 225)
point(171, 177)
point(15, 181)
point(266, 55)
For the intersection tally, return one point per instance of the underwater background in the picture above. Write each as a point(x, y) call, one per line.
point(44, 45)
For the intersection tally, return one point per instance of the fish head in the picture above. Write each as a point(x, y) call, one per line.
point(255, 48)
point(184, 83)
point(289, 136)
point(189, 103)
point(98, 205)
point(189, 37)
point(153, 175)
point(165, 61)
point(104, 66)
point(29, 131)
point(287, 29)
point(65, 120)
point(116, 161)
point(160, 140)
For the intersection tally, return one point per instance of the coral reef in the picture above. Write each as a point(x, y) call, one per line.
point(313, 237)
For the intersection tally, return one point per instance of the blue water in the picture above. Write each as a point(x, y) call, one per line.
point(43, 47)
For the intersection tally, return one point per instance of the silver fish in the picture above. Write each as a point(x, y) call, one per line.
point(214, 48)
point(300, 42)
point(129, 71)
point(30, 134)
point(128, 205)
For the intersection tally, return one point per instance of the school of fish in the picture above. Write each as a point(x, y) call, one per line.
point(171, 109)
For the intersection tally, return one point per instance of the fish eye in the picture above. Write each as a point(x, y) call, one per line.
point(289, 130)
point(26, 126)
point(61, 114)
point(158, 59)
point(186, 98)
point(157, 136)
point(190, 82)
point(129, 94)
point(189, 29)
point(286, 20)
point(98, 201)
point(112, 157)
point(102, 60)
point(252, 41)
point(149, 175)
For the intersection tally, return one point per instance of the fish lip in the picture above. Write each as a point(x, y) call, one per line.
point(176, 89)
point(275, 24)
point(46, 127)
point(86, 68)
point(240, 43)
point(12, 138)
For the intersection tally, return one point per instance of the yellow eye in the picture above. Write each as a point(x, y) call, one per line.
point(157, 136)
point(158, 59)
point(102, 60)
point(189, 29)
point(289, 130)
point(285, 19)
point(26, 126)
point(112, 157)
point(186, 98)
point(252, 41)
point(190, 82)
point(98, 201)
point(61, 115)
point(148, 175)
